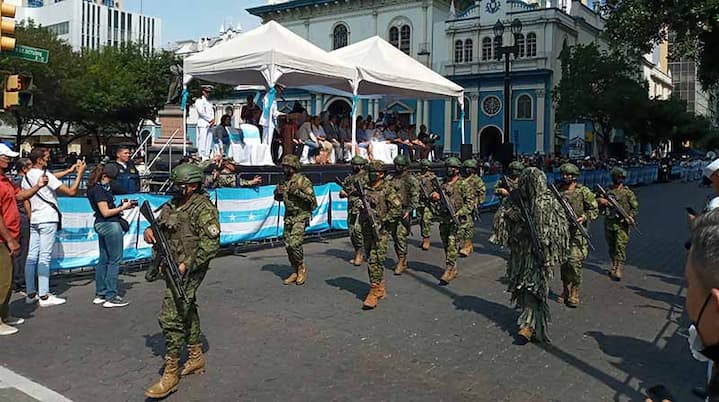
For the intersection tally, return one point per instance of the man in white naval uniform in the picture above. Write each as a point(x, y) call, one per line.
point(205, 120)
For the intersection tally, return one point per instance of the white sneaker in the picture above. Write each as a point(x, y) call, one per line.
point(115, 302)
point(31, 300)
point(98, 300)
point(7, 330)
point(51, 300)
point(14, 321)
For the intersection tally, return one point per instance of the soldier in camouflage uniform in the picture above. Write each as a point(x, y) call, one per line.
point(191, 224)
point(227, 177)
point(462, 199)
point(299, 198)
point(386, 207)
point(407, 187)
point(474, 182)
point(530, 270)
point(616, 229)
point(585, 206)
point(424, 210)
point(508, 183)
point(354, 205)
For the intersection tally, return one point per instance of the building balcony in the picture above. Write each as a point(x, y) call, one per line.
point(477, 66)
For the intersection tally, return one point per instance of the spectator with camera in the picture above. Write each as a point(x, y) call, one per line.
point(111, 228)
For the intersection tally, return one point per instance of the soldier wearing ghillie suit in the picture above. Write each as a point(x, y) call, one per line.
point(466, 233)
point(354, 206)
point(191, 224)
point(385, 207)
point(407, 188)
point(585, 207)
point(227, 177)
point(616, 229)
point(509, 183)
point(461, 197)
point(299, 197)
point(424, 210)
point(529, 268)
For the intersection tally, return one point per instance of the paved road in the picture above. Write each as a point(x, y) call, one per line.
point(425, 342)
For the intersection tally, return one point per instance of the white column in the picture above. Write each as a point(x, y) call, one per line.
point(359, 107)
point(318, 104)
point(474, 120)
point(447, 125)
point(419, 114)
point(425, 121)
point(375, 108)
point(540, 120)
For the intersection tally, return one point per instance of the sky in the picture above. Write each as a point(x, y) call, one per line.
point(192, 19)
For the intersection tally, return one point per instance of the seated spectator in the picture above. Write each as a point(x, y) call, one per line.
point(332, 132)
point(422, 142)
point(345, 133)
point(308, 138)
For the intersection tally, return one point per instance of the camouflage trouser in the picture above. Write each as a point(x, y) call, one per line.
point(295, 237)
point(534, 314)
point(376, 252)
point(399, 234)
point(425, 221)
point(617, 235)
point(448, 233)
point(466, 230)
point(180, 322)
point(572, 269)
point(355, 230)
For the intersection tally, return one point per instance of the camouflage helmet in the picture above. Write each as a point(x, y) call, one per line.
point(516, 167)
point(425, 163)
point(376, 166)
point(569, 168)
point(401, 160)
point(453, 162)
point(187, 173)
point(470, 163)
point(292, 161)
point(618, 172)
point(358, 161)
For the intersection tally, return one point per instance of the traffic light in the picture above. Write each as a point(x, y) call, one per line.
point(17, 91)
point(7, 27)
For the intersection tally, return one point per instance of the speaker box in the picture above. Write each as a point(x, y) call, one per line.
point(504, 153)
point(465, 152)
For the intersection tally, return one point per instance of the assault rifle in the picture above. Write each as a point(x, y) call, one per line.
point(163, 254)
point(615, 205)
point(425, 193)
point(536, 245)
point(571, 215)
point(369, 211)
point(445, 201)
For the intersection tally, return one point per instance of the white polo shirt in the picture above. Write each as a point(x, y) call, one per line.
point(41, 211)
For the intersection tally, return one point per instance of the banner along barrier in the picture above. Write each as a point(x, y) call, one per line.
point(246, 214)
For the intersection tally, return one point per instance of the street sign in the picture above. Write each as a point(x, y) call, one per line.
point(29, 53)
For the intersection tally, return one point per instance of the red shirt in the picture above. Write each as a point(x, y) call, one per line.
point(8, 206)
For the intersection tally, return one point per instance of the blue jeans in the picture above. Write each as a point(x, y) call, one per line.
point(42, 241)
point(108, 268)
point(314, 149)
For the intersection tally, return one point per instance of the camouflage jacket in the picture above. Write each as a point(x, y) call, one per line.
point(425, 181)
point(385, 202)
point(462, 198)
point(298, 196)
point(582, 201)
point(192, 229)
point(626, 199)
point(480, 189)
point(407, 187)
point(506, 183)
point(354, 205)
point(227, 180)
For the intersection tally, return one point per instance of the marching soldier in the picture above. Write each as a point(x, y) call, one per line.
point(616, 229)
point(227, 177)
point(584, 204)
point(354, 206)
point(191, 224)
point(299, 198)
point(424, 210)
point(474, 182)
point(509, 183)
point(386, 207)
point(407, 187)
point(461, 197)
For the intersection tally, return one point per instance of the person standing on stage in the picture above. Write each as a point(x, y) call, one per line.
point(205, 120)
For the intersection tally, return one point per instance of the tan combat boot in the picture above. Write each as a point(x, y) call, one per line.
point(573, 300)
point(526, 334)
point(381, 292)
point(401, 266)
point(195, 363)
point(301, 274)
point(168, 382)
point(373, 296)
point(618, 271)
point(466, 249)
point(449, 274)
point(292, 278)
point(612, 270)
point(359, 257)
point(425, 243)
point(565, 293)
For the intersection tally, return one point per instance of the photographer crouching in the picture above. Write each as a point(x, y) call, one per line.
point(111, 228)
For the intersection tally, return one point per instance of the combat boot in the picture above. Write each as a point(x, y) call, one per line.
point(195, 363)
point(526, 334)
point(612, 270)
point(292, 278)
point(565, 293)
point(168, 382)
point(618, 271)
point(449, 274)
point(573, 300)
point(381, 292)
point(425, 243)
point(359, 257)
point(466, 249)
point(301, 274)
point(401, 266)
point(373, 296)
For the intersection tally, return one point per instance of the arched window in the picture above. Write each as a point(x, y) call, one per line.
point(468, 51)
point(497, 45)
point(405, 38)
point(531, 44)
point(339, 36)
point(394, 36)
point(458, 49)
point(524, 107)
point(519, 40)
point(486, 48)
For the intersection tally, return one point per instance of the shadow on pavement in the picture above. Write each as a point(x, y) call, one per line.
point(418, 266)
point(280, 271)
point(352, 285)
point(343, 254)
point(670, 299)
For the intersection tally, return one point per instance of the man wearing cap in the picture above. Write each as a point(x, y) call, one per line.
point(205, 120)
point(616, 229)
point(9, 235)
point(299, 197)
point(425, 210)
point(226, 176)
point(407, 187)
point(474, 182)
point(354, 206)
